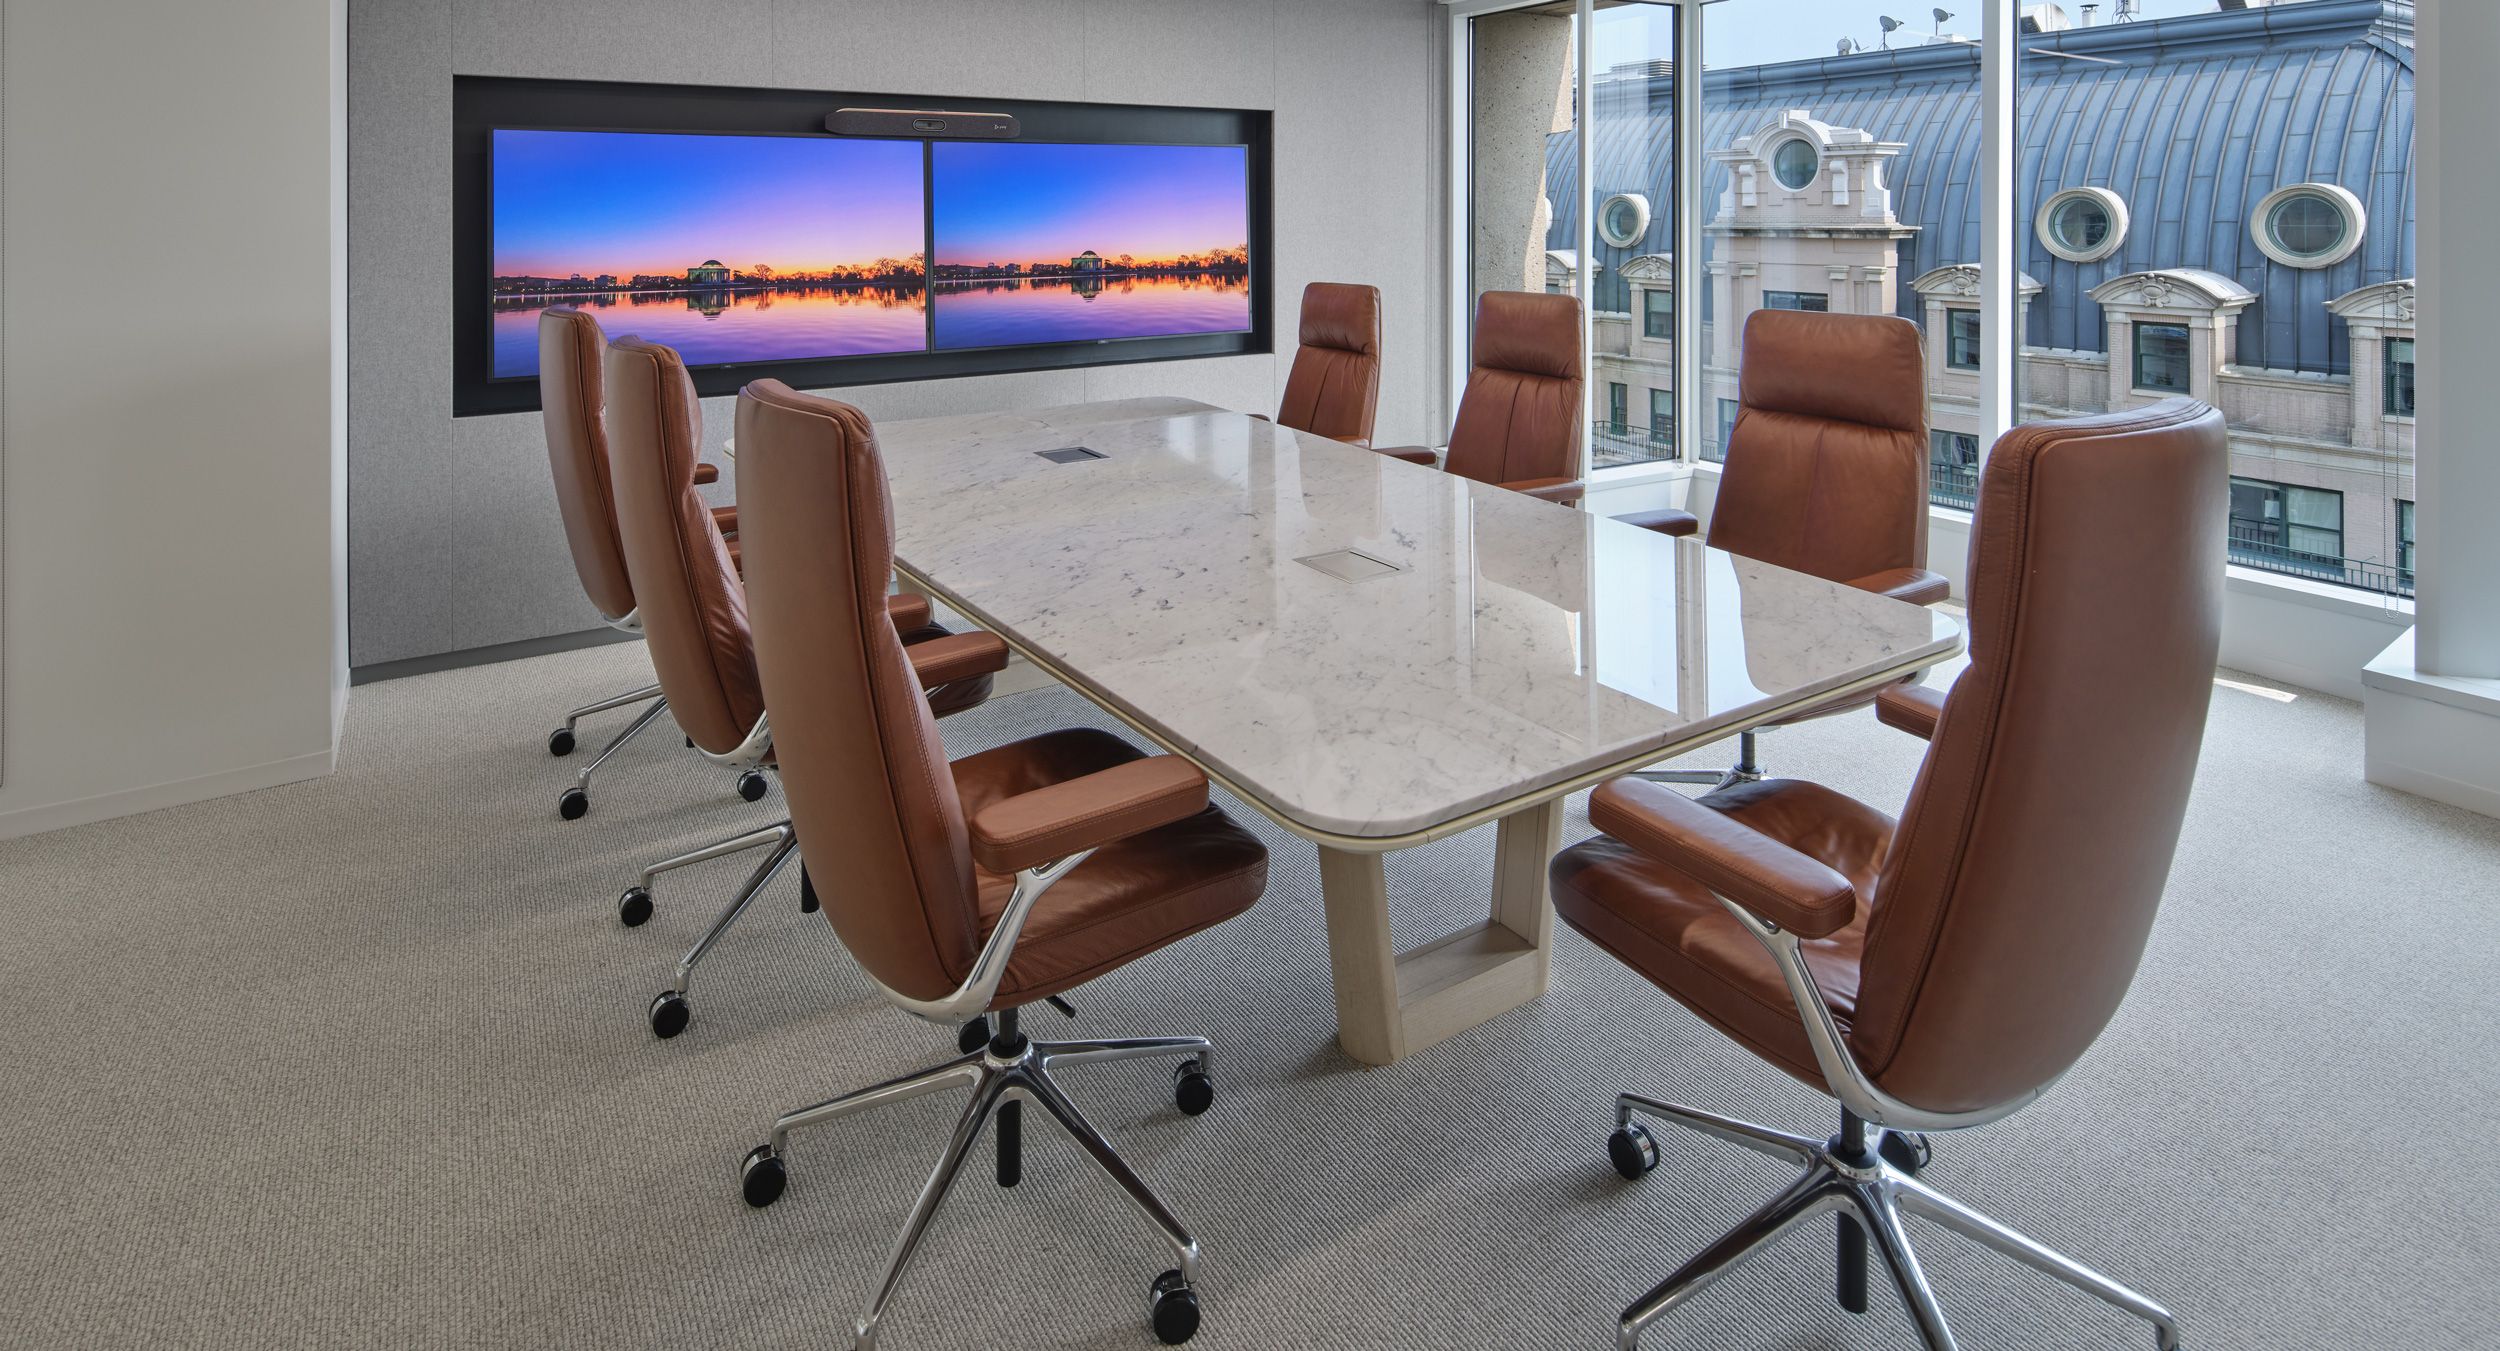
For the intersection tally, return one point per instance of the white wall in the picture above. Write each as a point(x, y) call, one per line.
point(173, 346)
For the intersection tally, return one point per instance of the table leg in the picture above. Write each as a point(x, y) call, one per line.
point(1390, 1006)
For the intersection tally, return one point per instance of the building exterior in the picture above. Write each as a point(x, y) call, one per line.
point(2223, 207)
point(707, 273)
point(1087, 261)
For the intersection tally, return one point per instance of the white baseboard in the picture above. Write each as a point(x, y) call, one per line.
point(153, 797)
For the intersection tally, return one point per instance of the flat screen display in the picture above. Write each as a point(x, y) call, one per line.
point(1049, 243)
point(730, 248)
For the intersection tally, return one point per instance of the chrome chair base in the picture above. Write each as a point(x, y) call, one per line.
point(1747, 769)
point(574, 803)
point(1869, 1190)
point(1008, 1072)
point(670, 1014)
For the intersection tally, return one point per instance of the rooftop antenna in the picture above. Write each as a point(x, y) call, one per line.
point(1943, 16)
point(1848, 46)
point(1890, 24)
point(2122, 11)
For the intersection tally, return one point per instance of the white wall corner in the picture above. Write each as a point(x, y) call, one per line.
point(2433, 736)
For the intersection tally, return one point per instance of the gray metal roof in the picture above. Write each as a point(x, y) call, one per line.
point(2207, 115)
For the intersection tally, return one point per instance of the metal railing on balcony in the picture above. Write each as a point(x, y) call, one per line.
point(1617, 443)
point(1953, 485)
point(2250, 549)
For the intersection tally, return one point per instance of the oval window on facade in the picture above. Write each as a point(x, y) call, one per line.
point(1796, 163)
point(2083, 225)
point(2309, 225)
point(1623, 219)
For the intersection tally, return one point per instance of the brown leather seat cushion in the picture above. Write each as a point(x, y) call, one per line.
point(955, 695)
point(1669, 928)
point(1131, 897)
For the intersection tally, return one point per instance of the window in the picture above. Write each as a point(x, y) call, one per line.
point(1618, 407)
point(1658, 314)
point(2309, 225)
point(2399, 392)
point(1961, 339)
point(2277, 523)
point(2083, 225)
point(1716, 451)
point(1796, 163)
point(2404, 540)
point(2161, 358)
point(1662, 416)
point(1953, 469)
point(1813, 301)
point(1623, 219)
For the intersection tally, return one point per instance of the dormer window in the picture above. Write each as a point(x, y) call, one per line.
point(2083, 225)
point(2309, 225)
point(1623, 219)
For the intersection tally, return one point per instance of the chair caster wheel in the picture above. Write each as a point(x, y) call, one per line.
point(1192, 1091)
point(761, 1176)
point(1633, 1151)
point(1175, 1309)
point(634, 907)
point(560, 741)
point(974, 1036)
point(751, 786)
point(574, 805)
point(669, 1014)
point(1909, 1153)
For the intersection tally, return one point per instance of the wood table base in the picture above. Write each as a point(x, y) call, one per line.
point(1390, 1005)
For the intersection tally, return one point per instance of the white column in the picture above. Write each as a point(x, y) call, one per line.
point(2000, 280)
point(2457, 466)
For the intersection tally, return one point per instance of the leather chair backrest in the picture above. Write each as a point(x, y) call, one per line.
point(694, 609)
point(571, 356)
point(867, 782)
point(1827, 464)
point(1519, 418)
point(1334, 387)
point(2021, 884)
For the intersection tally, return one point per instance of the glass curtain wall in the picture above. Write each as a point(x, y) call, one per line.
point(1630, 280)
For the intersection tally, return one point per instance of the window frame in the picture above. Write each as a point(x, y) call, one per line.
point(2186, 359)
point(2387, 380)
point(2341, 200)
point(1955, 338)
point(1652, 326)
point(2113, 207)
point(1825, 297)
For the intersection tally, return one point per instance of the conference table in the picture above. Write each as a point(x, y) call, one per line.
point(1375, 655)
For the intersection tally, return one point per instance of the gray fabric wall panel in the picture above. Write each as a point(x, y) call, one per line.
point(453, 536)
point(399, 481)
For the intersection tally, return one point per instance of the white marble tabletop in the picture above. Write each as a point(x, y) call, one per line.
point(1518, 645)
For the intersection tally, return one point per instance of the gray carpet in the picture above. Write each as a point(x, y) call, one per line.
point(362, 1062)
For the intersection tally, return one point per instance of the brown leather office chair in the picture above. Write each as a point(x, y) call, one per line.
point(1826, 472)
point(974, 887)
point(1518, 422)
point(1333, 389)
point(1940, 972)
point(571, 383)
point(694, 617)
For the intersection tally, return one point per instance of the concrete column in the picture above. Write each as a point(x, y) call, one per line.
point(1522, 91)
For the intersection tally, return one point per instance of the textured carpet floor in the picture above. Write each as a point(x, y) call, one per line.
point(362, 1062)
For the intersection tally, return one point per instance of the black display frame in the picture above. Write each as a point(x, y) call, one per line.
point(482, 104)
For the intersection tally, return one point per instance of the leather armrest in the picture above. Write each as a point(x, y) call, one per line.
point(1665, 520)
point(1087, 812)
point(908, 611)
point(707, 473)
point(725, 519)
point(957, 656)
point(1914, 709)
point(1423, 455)
point(1918, 586)
point(1564, 490)
point(1766, 877)
point(1262, 417)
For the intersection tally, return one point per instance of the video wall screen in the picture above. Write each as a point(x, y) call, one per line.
point(730, 249)
point(730, 225)
point(1079, 243)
